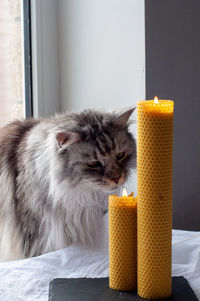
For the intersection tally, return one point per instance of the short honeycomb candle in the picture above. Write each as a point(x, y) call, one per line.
point(122, 243)
point(154, 167)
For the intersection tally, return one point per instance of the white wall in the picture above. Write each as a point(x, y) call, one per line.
point(101, 53)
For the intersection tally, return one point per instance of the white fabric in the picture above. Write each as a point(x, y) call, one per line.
point(28, 280)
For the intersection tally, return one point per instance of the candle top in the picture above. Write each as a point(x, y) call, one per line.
point(124, 200)
point(160, 106)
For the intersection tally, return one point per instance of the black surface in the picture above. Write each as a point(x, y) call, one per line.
point(173, 72)
point(97, 289)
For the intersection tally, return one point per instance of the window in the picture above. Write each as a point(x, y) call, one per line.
point(11, 61)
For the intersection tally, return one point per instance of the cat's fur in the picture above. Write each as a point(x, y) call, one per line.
point(49, 196)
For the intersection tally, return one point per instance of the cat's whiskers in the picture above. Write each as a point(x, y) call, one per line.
point(87, 186)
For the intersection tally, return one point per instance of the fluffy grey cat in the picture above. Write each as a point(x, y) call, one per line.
point(55, 178)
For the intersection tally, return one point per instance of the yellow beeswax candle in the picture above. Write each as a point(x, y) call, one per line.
point(122, 243)
point(154, 167)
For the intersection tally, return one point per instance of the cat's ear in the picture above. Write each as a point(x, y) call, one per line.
point(123, 118)
point(65, 139)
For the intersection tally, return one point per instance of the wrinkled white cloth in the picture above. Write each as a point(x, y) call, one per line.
point(186, 257)
point(28, 279)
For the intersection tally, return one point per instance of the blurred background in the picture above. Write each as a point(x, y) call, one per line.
point(58, 55)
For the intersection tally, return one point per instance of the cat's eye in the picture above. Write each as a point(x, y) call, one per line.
point(120, 156)
point(94, 164)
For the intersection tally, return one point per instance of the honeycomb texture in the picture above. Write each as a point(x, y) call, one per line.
point(122, 243)
point(154, 166)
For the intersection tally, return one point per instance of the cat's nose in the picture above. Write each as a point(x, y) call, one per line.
point(116, 179)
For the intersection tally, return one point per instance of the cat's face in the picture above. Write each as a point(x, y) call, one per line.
point(101, 155)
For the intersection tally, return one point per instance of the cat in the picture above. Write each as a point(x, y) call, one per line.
point(55, 177)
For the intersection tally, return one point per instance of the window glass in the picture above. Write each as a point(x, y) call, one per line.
point(11, 76)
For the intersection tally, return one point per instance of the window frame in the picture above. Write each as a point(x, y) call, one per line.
point(27, 57)
point(45, 65)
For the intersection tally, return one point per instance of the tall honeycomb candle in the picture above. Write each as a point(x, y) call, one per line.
point(154, 184)
point(122, 243)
